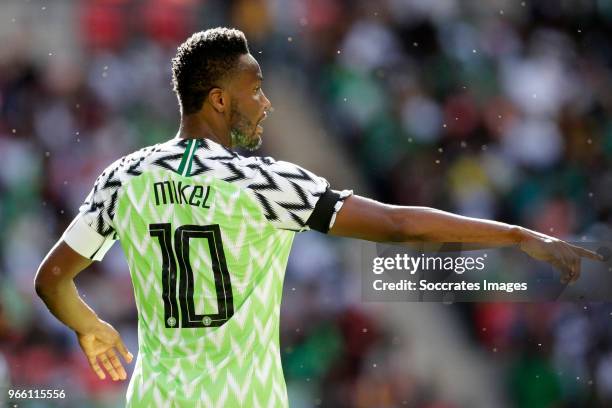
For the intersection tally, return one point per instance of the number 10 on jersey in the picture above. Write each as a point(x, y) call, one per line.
point(223, 287)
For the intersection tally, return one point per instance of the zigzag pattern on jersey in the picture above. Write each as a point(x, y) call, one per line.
point(249, 373)
point(273, 187)
point(101, 202)
point(286, 192)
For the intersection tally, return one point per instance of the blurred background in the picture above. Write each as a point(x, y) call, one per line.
point(498, 109)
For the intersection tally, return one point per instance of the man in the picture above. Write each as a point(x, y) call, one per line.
point(207, 234)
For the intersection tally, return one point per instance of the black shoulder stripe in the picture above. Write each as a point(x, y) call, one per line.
point(324, 209)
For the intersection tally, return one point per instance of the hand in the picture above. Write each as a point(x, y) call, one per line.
point(99, 344)
point(565, 257)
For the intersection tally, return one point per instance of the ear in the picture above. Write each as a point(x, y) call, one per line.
point(219, 99)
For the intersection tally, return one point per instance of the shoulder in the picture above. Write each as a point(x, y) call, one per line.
point(211, 158)
point(268, 166)
point(266, 173)
point(126, 167)
point(286, 173)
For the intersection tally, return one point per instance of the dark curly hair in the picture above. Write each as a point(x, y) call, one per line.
point(202, 61)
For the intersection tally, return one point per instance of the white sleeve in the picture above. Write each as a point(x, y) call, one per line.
point(92, 232)
point(85, 240)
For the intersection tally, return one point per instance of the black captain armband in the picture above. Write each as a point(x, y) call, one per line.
point(324, 210)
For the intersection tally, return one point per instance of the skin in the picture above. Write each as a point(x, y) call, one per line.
point(99, 341)
point(231, 115)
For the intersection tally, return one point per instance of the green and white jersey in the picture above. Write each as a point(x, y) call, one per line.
point(207, 234)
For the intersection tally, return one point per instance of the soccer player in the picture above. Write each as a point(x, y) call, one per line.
point(207, 234)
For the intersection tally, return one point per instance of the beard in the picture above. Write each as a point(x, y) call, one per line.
point(243, 132)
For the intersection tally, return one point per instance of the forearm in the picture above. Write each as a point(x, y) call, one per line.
point(364, 218)
point(431, 225)
point(63, 300)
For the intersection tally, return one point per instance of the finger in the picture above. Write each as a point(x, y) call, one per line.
point(127, 356)
point(566, 277)
point(573, 270)
point(559, 260)
point(96, 367)
point(112, 356)
point(108, 366)
point(568, 259)
point(585, 253)
point(562, 266)
point(564, 273)
point(574, 262)
point(570, 272)
point(577, 271)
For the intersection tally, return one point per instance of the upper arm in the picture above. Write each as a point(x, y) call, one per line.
point(92, 233)
point(88, 237)
point(368, 219)
point(61, 263)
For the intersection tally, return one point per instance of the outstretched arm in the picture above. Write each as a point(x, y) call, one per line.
point(371, 220)
point(54, 284)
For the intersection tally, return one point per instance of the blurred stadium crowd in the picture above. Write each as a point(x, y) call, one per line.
point(495, 109)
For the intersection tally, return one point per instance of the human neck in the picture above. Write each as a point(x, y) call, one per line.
point(196, 126)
